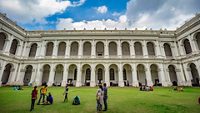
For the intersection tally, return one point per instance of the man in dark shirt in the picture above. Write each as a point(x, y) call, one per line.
point(33, 97)
point(105, 97)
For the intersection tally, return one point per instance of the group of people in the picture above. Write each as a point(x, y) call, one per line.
point(101, 97)
point(146, 88)
point(43, 95)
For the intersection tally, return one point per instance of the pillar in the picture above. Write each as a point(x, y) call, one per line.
point(19, 49)
point(134, 75)
point(55, 49)
point(67, 50)
point(148, 75)
point(92, 77)
point(162, 75)
point(24, 53)
point(80, 49)
point(107, 75)
point(43, 49)
point(93, 51)
point(78, 81)
point(181, 48)
point(38, 77)
point(157, 49)
point(132, 50)
point(188, 75)
point(144, 49)
point(65, 75)
point(8, 44)
point(51, 75)
point(106, 55)
point(180, 75)
point(2, 68)
point(119, 49)
point(120, 75)
point(192, 43)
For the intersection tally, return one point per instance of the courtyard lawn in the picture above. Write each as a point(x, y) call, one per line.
point(121, 100)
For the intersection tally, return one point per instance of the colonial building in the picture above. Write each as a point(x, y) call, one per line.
point(90, 57)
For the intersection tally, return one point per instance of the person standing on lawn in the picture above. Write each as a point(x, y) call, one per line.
point(66, 93)
point(33, 97)
point(105, 96)
point(43, 92)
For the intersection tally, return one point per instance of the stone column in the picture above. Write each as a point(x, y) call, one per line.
point(92, 80)
point(162, 50)
point(55, 49)
point(119, 49)
point(169, 82)
point(24, 50)
point(120, 75)
point(197, 63)
point(51, 75)
point(181, 48)
point(144, 49)
point(106, 55)
point(20, 75)
point(67, 50)
point(33, 76)
point(162, 75)
point(8, 44)
point(134, 75)
point(65, 75)
point(132, 50)
point(38, 77)
point(38, 51)
point(188, 75)
point(180, 75)
point(148, 75)
point(192, 43)
point(2, 68)
point(80, 49)
point(43, 49)
point(78, 81)
point(175, 51)
point(107, 75)
point(93, 51)
point(158, 51)
point(19, 49)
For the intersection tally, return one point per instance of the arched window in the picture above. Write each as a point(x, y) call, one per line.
point(150, 49)
point(124, 74)
point(13, 47)
point(112, 74)
point(2, 40)
point(33, 50)
point(167, 49)
point(99, 49)
point(49, 49)
point(138, 49)
point(74, 49)
point(125, 49)
point(112, 49)
point(87, 49)
point(187, 46)
point(88, 73)
point(61, 49)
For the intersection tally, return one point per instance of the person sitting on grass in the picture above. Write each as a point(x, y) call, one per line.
point(49, 99)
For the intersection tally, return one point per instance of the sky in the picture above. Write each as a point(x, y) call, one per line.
point(99, 14)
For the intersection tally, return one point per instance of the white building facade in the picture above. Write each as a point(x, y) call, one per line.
point(91, 57)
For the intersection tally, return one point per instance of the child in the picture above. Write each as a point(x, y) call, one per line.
point(33, 97)
point(43, 92)
point(66, 93)
point(49, 99)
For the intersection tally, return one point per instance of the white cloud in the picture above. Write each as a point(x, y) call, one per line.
point(102, 9)
point(90, 25)
point(34, 11)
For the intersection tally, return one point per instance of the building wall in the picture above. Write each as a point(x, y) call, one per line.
point(110, 56)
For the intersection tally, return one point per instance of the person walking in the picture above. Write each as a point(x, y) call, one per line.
point(66, 93)
point(99, 98)
point(43, 92)
point(105, 96)
point(33, 97)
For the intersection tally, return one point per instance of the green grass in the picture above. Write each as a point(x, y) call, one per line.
point(121, 100)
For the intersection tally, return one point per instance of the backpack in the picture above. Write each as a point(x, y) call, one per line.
point(76, 101)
